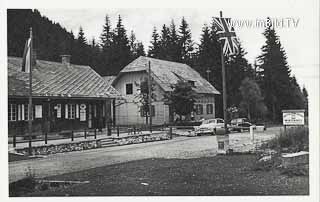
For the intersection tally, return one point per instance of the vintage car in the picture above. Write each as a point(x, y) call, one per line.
point(241, 124)
point(210, 126)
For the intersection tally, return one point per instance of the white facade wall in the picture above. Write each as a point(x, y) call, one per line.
point(128, 113)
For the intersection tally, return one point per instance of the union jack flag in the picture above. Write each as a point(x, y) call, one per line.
point(227, 35)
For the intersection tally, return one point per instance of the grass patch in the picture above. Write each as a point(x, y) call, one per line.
point(214, 176)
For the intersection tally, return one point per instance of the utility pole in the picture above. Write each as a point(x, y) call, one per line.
point(149, 96)
point(224, 88)
point(30, 95)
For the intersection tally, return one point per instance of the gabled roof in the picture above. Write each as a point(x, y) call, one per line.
point(53, 79)
point(167, 73)
point(109, 79)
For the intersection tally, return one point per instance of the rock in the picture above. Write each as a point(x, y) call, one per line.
point(265, 158)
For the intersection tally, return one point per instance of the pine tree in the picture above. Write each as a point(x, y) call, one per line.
point(306, 99)
point(208, 62)
point(185, 42)
point(237, 68)
point(164, 43)
point(121, 55)
point(173, 48)
point(81, 52)
point(251, 99)
point(275, 75)
point(154, 49)
point(106, 36)
point(139, 49)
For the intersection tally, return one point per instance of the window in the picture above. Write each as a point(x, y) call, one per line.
point(220, 121)
point(12, 112)
point(209, 109)
point(38, 111)
point(129, 89)
point(199, 109)
point(143, 111)
point(192, 83)
point(25, 111)
point(71, 111)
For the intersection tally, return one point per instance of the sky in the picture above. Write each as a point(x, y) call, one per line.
point(300, 40)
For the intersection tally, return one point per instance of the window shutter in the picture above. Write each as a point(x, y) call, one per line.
point(22, 112)
point(66, 111)
point(77, 111)
point(19, 112)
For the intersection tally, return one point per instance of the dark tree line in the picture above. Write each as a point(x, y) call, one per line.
point(280, 89)
point(116, 48)
point(52, 40)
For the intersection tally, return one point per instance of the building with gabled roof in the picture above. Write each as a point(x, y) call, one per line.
point(65, 97)
point(164, 74)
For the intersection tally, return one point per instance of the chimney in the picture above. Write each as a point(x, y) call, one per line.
point(65, 59)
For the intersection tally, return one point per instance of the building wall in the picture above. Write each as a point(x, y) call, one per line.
point(51, 122)
point(128, 113)
point(204, 101)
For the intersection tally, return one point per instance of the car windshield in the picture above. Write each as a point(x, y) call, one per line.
point(209, 121)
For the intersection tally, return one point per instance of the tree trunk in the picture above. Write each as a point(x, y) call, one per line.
point(249, 116)
point(273, 112)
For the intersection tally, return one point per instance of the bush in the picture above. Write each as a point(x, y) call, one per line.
point(295, 139)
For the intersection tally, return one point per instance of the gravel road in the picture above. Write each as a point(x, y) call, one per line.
point(179, 147)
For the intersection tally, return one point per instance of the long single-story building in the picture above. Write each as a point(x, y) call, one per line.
point(64, 97)
point(164, 74)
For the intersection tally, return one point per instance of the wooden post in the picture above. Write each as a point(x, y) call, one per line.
point(109, 129)
point(224, 88)
point(72, 136)
point(114, 112)
point(45, 138)
point(170, 132)
point(95, 133)
point(14, 140)
point(118, 132)
point(134, 129)
point(30, 97)
point(149, 97)
point(85, 133)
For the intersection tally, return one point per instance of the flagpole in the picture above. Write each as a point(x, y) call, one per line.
point(30, 96)
point(224, 88)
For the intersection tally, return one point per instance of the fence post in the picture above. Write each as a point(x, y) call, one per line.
point(14, 140)
point(72, 137)
point(134, 129)
point(45, 138)
point(118, 132)
point(85, 133)
point(95, 133)
point(109, 130)
point(170, 132)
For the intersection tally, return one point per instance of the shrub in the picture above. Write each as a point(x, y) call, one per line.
point(295, 139)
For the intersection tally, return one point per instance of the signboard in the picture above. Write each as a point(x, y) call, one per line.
point(82, 112)
point(293, 117)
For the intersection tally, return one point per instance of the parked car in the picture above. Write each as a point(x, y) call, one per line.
point(240, 124)
point(210, 126)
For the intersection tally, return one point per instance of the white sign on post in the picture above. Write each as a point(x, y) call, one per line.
point(293, 117)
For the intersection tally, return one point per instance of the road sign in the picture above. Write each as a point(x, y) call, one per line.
point(293, 117)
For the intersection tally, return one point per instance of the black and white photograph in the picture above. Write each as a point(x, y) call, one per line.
point(155, 99)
